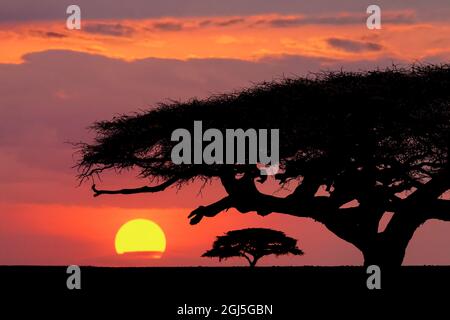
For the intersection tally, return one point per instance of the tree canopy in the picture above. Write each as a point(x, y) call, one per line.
point(379, 137)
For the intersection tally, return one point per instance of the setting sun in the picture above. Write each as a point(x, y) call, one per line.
point(140, 236)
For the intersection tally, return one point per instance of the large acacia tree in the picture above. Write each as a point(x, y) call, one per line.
point(379, 139)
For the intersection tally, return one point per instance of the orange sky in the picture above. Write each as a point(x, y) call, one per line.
point(248, 38)
point(54, 82)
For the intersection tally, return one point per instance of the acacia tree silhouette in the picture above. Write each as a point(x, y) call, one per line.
point(380, 138)
point(252, 244)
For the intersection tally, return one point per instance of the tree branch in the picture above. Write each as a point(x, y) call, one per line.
point(144, 189)
point(250, 261)
point(210, 211)
point(440, 209)
point(430, 190)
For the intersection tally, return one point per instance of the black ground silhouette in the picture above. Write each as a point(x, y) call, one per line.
point(293, 291)
point(252, 244)
point(380, 138)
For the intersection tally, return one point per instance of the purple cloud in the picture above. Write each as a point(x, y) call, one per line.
point(336, 19)
point(114, 29)
point(353, 46)
point(168, 26)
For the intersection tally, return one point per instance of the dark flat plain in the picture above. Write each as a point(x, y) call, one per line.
point(293, 291)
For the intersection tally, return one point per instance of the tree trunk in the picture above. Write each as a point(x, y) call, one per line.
point(389, 248)
point(253, 262)
point(385, 254)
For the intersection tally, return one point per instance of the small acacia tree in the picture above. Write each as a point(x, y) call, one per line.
point(252, 244)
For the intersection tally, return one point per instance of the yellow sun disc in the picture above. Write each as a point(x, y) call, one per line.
point(140, 235)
